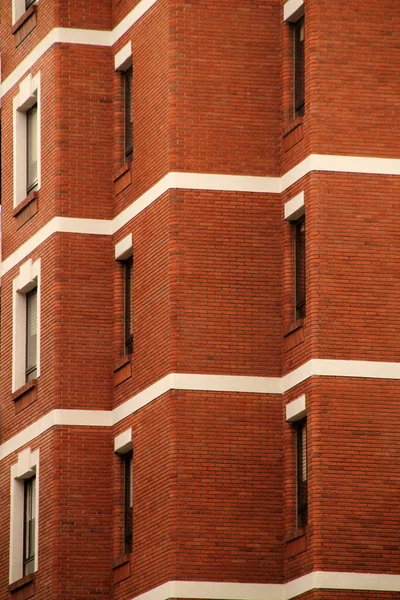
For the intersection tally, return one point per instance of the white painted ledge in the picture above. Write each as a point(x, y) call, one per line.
point(203, 181)
point(293, 10)
point(204, 590)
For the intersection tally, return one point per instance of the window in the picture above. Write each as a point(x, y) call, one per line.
point(26, 324)
point(31, 335)
point(123, 64)
point(31, 149)
point(128, 501)
point(28, 3)
point(301, 452)
point(29, 525)
point(128, 335)
point(300, 268)
point(26, 136)
point(19, 7)
point(24, 512)
point(123, 447)
point(128, 120)
point(299, 84)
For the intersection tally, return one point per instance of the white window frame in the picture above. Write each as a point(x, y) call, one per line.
point(26, 467)
point(18, 9)
point(27, 280)
point(28, 95)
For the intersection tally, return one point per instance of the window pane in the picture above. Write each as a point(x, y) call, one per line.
point(128, 502)
point(128, 114)
point(128, 341)
point(31, 148)
point(29, 524)
point(31, 334)
point(300, 268)
point(299, 68)
point(302, 486)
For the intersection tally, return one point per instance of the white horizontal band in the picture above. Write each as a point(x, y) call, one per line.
point(200, 382)
point(203, 181)
point(65, 35)
point(328, 580)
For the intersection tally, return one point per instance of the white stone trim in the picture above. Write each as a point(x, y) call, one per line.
point(293, 10)
point(124, 248)
point(123, 58)
point(18, 9)
point(199, 181)
point(193, 381)
point(28, 279)
point(202, 590)
point(26, 467)
point(27, 96)
point(123, 442)
point(294, 208)
point(296, 410)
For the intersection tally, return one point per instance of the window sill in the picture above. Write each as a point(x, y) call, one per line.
point(293, 133)
point(25, 395)
point(294, 335)
point(25, 24)
point(121, 568)
point(122, 369)
point(23, 588)
point(296, 542)
point(122, 178)
point(26, 209)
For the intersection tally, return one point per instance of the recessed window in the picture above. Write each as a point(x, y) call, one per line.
point(302, 476)
point(29, 3)
point(26, 324)
point(128, 328)
point(128, 119)
point(300, 267)
point(26, 136)
point(24, 515)
point(128, 501)
point(29, 525)
point(31, 150)
point(31, 335)
point(299, 68)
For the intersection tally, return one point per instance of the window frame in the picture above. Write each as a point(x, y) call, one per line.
point(299, 227)
point(28, 559)
point(128, 312)
point(301, 468)
point(27, 280)
point(299, 67)
point(127, 460)
point(26, 468)
point(128, 114)
point(30, 370)
point(28, 96)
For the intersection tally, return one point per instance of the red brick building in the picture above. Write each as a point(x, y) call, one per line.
point(200, 283)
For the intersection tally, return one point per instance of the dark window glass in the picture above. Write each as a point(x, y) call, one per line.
point(128, 335)
point(28, 3)
point(31, 149)
point(29, 525)
point(302, 495)
point(128, 114)
point(299, 68)
point(31, 335)
point(300, 268)
point(128, 502)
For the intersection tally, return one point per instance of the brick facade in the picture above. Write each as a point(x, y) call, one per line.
point(218, 353)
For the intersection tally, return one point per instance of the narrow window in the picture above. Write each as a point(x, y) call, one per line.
point(299, 68)
point(31, 335)
point(128, 120)
point(300, 268)
point(128, 335)
point(28, 3)
point(29, 525)
point(128, 501)
point(31, 150)
point(302, 499)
